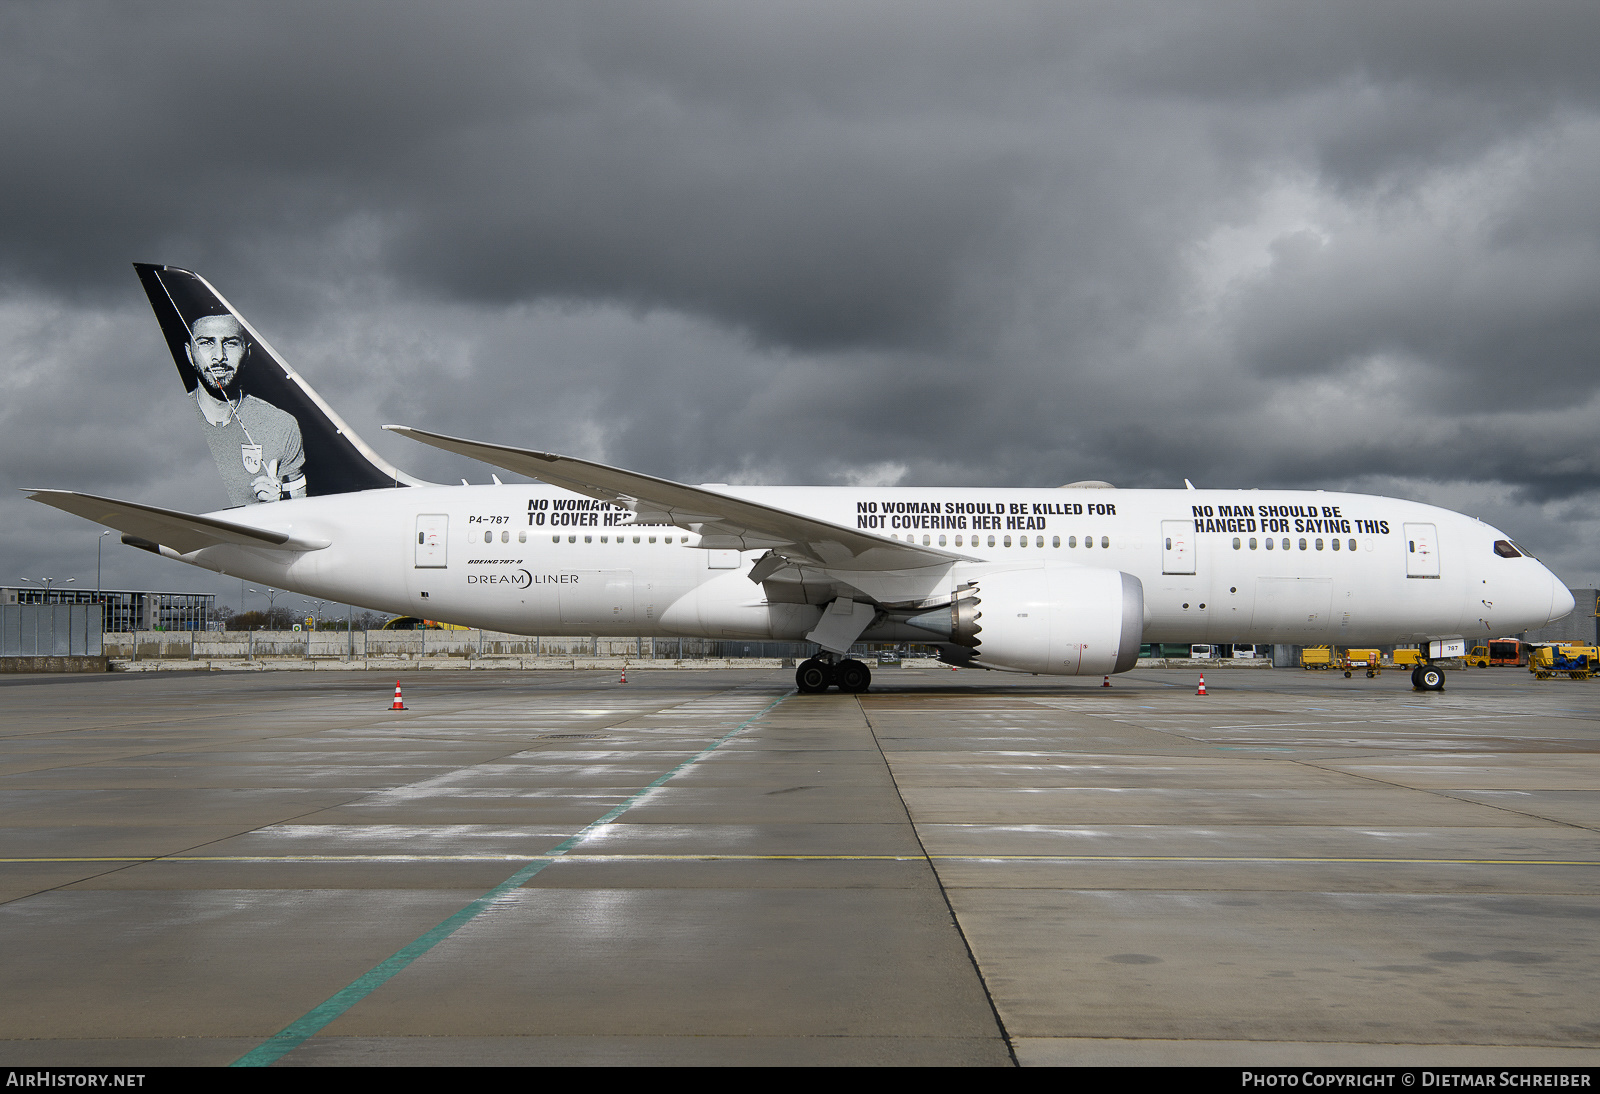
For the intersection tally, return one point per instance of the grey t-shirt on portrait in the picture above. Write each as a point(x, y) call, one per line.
point(246, 444)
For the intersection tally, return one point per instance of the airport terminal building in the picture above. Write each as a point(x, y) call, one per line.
point(127, 610)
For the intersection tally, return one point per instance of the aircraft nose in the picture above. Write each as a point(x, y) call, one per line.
point(1561, 602)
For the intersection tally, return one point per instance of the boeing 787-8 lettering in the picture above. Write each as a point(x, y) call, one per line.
point(1067, 581)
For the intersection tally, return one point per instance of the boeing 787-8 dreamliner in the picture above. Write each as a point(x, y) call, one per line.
point(1067, 581)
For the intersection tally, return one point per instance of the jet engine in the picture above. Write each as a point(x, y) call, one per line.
point(1055, 620)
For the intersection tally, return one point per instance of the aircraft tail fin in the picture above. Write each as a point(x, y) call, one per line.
point(271, 435)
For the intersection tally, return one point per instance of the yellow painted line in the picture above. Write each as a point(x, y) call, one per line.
point(1264, 859)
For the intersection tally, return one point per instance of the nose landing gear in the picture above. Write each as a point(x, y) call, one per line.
point(1427, 678)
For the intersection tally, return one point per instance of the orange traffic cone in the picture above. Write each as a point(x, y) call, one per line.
point(1106, 682)
point(624, 674)
point(1202, 690)
point(398, 704)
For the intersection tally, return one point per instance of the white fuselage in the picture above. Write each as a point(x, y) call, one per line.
point(533, 559)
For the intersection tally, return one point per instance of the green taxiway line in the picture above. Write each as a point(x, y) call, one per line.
point(307, 1025)
point(555, 856)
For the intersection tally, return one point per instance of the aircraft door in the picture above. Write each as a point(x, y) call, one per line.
point(1422, 550)
point(1177, 546)
point(432, 536)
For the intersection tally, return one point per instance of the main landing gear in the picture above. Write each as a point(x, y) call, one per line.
point(1427, 678)
point(816, 675)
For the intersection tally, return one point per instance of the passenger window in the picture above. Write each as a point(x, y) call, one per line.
point(1055, 541)
point(1236, 543)
point(1269, 544)
point(1302, 544)
point(991, 541)
point(1038, 541)
point(522, 537)
point(1252, 543)
point(1286, 542)
point(505, 537)
point(1008, 541)
point(588, 539)
point(941, 541)
point(1088, 541)
point(555, 539)
point(603, 539)
point(636, 539)
point(1319, 545)
point(1022, 541)
point(572, 539)
point(1072, 541)
point(1352, 545)
point(1335, 545)
point(1105, 541)
point(924, 541)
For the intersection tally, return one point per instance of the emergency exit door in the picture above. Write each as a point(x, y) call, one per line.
point(1177, 546)
point(432, 536)
point(1422, 550)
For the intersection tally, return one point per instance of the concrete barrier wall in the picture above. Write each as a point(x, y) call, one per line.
point(263, 645)
point(54, 664)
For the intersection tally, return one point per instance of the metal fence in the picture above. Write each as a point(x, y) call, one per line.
point(51, 630)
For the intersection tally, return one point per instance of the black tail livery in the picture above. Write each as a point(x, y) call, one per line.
point(271, 435)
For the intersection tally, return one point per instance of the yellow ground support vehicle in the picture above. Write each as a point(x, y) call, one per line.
point(1406, 657)
point(1316, 657)
point(1498, 651)
point(1360, 659)
point(1578, 662)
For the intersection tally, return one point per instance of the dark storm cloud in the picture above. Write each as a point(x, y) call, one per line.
point(1250, 244)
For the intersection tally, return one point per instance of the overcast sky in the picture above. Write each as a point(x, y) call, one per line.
point(1346, 246)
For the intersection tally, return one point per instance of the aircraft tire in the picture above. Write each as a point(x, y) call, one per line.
point(1416, 677)
point(852, 676)
point(1430, 678)
point(813, 677)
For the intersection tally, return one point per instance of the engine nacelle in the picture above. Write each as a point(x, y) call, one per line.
point(1056, 620)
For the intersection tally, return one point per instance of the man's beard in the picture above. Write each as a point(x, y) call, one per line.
point(229, 393)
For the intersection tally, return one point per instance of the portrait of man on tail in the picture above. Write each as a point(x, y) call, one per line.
point(257, 446)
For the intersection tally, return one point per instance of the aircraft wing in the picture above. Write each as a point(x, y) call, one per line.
point(183, 532)
point(721, 520)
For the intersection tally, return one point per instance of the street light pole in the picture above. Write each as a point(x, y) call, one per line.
point(98, 544)
point(46, 582)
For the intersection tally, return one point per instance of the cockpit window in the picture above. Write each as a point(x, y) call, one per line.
point(1506, 549)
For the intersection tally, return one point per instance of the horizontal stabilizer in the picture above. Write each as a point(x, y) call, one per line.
point(722, 520)
point(183, 532)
